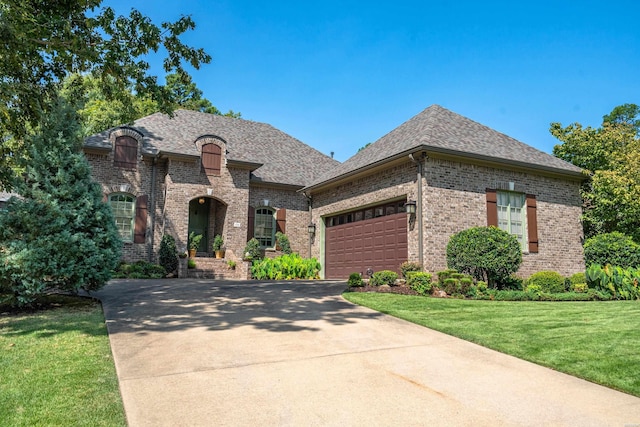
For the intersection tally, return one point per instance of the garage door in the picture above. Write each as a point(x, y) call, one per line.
point(376, 243)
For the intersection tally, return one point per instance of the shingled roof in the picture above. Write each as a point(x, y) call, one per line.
point(439, 130)
point(284, 159)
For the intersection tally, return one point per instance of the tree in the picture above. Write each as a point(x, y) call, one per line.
point(610, 155)
point(42, 42)
point(185, 94)
point(59, 234)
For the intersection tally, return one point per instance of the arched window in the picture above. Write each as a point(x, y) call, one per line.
point(211, 159)
point(123, 207)
point(125, 152)
point(265, 227)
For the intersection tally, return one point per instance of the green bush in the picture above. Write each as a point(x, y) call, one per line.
point(612, 248)
point(139, 270)
point(191, 263)
point(486, 253)
point(577, 278)
point(620, 283)
point(512, 283)
point(355, 280)
point(384, 277)
point(547, 281)
point(59, 234)
point(286, 267)
point(451, 286)
point(420, 282)
point(283, 242)
point(408, 266)
point(168, 254)
point(579, 287)
point(444, 275)
point(252, 250)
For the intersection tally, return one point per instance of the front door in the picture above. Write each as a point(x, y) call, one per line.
point(199, 221)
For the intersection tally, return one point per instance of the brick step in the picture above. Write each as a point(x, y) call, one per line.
point(213, 268)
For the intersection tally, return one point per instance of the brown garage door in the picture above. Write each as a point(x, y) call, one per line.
point(376, 243)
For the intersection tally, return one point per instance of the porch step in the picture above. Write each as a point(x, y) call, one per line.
point(212, 268)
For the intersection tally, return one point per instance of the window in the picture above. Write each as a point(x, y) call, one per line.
point(511, 215)
point(125, 152)
point(123, 208)
point(211, 159)
point(265, 227)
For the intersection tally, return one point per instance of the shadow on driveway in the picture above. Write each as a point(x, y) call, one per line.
point(277, 306)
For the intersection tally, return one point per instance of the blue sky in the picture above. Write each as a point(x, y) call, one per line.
point(340, 74)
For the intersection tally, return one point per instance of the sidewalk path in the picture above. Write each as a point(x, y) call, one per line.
point(205, 353)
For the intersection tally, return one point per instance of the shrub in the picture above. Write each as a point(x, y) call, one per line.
point(579, 287)
point(512, 282)
point(283, 242)
point(252, 250)
point(355, 280)
point(408, 266)
point(548, 281)
point(486, 253)
point(578, 278)
point(384, 277)
point(191, 263)
point(139, 270)
point(231, 264)
point(167, 256)
point(420, 282)
point(444, 275)
point(612, 248)
point(60, 234)
point(451, 286)
point(286, 267)
point(620, 283)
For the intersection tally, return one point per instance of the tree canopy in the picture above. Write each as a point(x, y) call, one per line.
point(610, 155)
point(44, 42)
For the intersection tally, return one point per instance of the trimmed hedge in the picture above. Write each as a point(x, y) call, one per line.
point(547, 281)
point(612, 248)
point(384, 277)
point(420, 282)
point(486, 253)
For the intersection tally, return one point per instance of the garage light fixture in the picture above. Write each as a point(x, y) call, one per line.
point(410, 207)
point(311, 228)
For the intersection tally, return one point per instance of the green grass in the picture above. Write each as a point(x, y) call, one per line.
point(56, 368)
point(597, 341)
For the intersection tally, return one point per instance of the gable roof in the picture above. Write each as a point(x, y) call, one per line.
point(439, 130)
point(281, 158)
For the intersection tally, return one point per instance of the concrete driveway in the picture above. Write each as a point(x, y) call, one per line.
point(205, 353)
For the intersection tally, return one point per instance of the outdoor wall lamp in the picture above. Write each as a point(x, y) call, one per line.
point(311, 228)
point(410, 207)
point(201, 200)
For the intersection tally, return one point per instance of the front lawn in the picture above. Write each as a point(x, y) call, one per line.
point(597, 341)
point(56, 368)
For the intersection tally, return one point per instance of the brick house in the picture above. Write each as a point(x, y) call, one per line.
point(241, 179)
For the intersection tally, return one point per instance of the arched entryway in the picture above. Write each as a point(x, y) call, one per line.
point(206, 217)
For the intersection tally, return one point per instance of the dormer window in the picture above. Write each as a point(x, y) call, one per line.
point(211, 159)
point(125, 152)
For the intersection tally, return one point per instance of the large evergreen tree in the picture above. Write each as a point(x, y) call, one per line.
point(59, 234)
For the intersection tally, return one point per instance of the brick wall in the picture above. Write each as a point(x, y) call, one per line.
point(454, 199)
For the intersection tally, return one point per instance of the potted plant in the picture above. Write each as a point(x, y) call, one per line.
point(194, 242)
point(218, 246)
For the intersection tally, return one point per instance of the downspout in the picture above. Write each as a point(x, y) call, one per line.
point(154, 168)
point(419, 211)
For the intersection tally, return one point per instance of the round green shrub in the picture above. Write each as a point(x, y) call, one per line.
point(384, 277)
point(252, 250)
point(408, 267)
point(420, 282)
point(578, 278)
point(612, 248)
point(486, 253)
point(355, 280)
point(546, 281)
